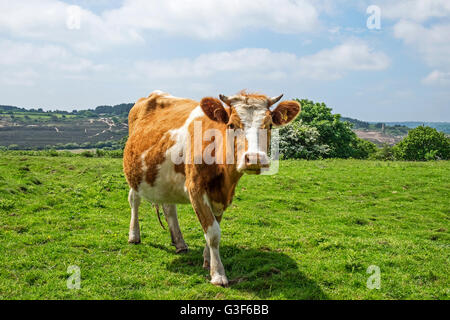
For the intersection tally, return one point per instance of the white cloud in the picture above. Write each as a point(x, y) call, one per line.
point(415, 10)
point(23, 63)
point(334, 63)
point(430, 40)
point(212, 19)
point(48, 20)
point(328, 64)
point(437, 77)
point(432, 43)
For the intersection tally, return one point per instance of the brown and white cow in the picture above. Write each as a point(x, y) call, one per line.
point(164, 130)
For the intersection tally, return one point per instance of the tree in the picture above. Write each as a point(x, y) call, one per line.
point(423, 143)
point(336, 134)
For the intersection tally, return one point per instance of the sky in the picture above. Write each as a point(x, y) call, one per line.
point(371, 60)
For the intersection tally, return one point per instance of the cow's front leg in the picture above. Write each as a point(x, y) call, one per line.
point(170, 213)
point(206, 257)
point(211, 229)
point(207, 250)
point(217, 271)
point(135, 200)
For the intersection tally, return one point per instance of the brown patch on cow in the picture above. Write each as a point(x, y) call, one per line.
point(179, 168)
point(149, 121)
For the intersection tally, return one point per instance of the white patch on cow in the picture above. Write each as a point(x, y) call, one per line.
point(181, 137)
point(164, 94)
point(158, 92)
point(169, 185)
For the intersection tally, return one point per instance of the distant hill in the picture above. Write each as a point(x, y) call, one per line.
point(386, 128)
point(440, 126)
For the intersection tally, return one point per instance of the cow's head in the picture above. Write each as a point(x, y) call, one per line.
point(252, 115)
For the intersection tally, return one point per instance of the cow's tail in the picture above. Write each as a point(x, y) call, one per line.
point(158, 215)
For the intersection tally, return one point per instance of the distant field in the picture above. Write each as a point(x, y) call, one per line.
point(378, 137)
point(27, 129)
point(309, 232)
point(42, 134)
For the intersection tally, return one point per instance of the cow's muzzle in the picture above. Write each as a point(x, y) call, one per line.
point(254, 162)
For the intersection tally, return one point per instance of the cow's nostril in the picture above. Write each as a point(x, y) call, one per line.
point(247, 159)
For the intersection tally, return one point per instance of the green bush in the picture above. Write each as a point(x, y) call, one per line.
point(385, 153)
point(87, 154)
point(423, 144)
point(300, 141)
point(99, 153)
point(364, 149)
point(52, 153)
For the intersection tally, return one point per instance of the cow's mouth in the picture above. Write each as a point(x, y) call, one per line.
point(252, 171)
point(256, 170)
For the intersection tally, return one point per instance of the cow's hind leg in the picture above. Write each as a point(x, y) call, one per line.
point(135, 200)
point(170, 213)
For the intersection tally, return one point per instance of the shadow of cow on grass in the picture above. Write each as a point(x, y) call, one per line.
point(264, 273)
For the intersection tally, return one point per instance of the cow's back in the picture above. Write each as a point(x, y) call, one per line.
point(150, 121)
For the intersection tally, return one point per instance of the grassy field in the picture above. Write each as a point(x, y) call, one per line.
point(309, 232)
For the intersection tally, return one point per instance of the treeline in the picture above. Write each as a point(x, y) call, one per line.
point(117, 110)
point(99, 153)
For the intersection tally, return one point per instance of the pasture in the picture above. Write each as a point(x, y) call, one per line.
point(309, 232)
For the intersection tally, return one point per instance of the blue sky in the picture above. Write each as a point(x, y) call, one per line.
point(79, 54)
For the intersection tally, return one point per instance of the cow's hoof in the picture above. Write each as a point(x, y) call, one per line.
point(219, 280)
point(206, 265)
point(182, 249)
point(134, 241)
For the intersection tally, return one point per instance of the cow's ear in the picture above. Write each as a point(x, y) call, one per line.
point(285, 112)
point(214, 109)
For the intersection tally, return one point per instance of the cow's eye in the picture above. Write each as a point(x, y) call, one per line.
point(231, 126)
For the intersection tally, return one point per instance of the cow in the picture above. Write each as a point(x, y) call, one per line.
point(164, 159)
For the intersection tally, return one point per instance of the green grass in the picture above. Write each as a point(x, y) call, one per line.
point(309, 232)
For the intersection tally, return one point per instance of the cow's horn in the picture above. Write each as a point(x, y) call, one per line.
point(224, 98)
point(275, 99)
